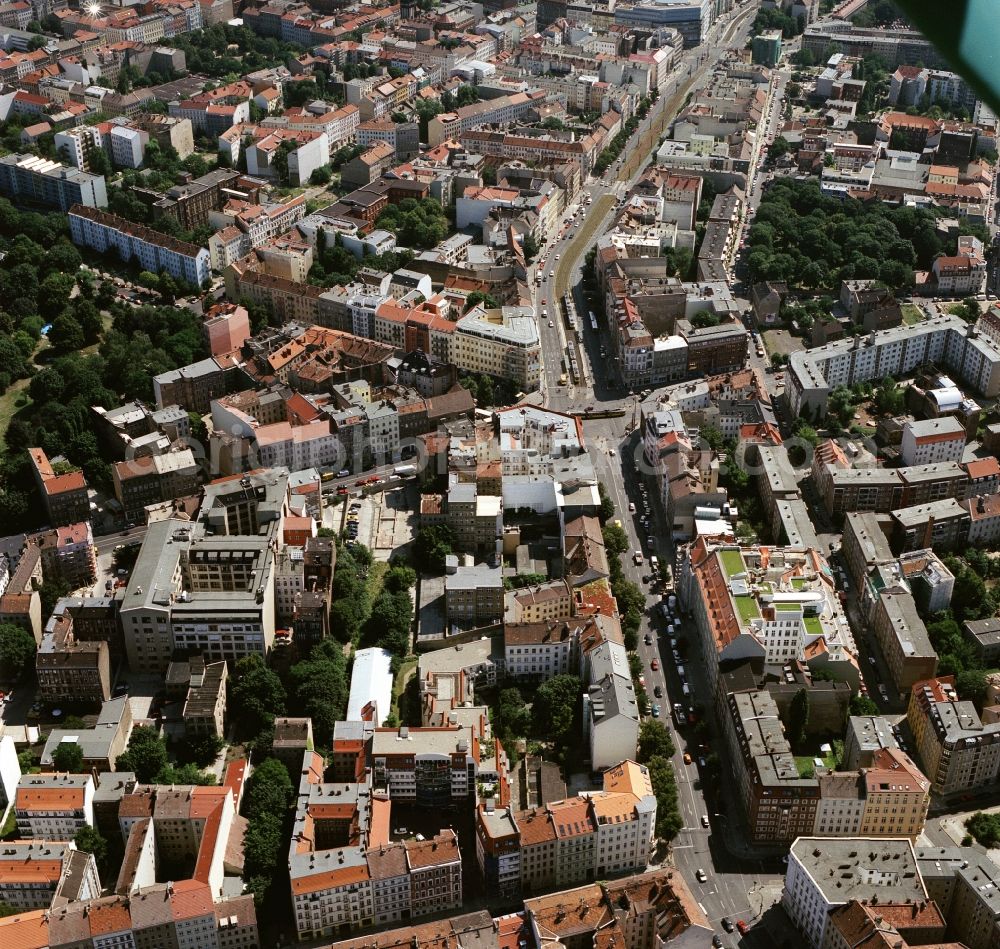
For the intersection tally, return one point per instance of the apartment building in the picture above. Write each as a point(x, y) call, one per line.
point(150, 479)
point(75, 145)
point(774, 605)
point(54, 806)
point(959, 752)
point(596, 835)
point(502, 343)
point(195, 386)
point(502, 110)
point(154, 252)
point(873, 923)
point(180, 914)
point(474, 595)
point(984, 519)
point(902, 637)
point(34, 873)
point(432, 767)
point(882, 490)
point(897, 795)
point(542, 649)
point(190, 203)
point(965, 884)
point(932, 440)
point(345, 870)
point(778, 804)
point(824, 874)
point(201, 687)
point(610, 708)
point(965, 272)
point(32, 179)
point(888, 798)
point(64, 495)
point(69, 551)
point(945, 341)
point(866, 734)
point(73, 671)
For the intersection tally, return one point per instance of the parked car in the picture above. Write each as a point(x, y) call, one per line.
point(654, 665)
point(742, 926)
point(702, 876)
point(704, 820)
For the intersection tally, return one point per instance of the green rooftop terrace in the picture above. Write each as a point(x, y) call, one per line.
point(732, 563)
point(747, 608)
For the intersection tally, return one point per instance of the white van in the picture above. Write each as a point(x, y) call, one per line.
point(686, 690)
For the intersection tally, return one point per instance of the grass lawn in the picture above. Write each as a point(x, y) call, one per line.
point(8, 404)
point(406, 670)
point(912, 314)
point(376, 577)
point(732, 562)
point(806, 765)
point(746, 606)
point(813, 626)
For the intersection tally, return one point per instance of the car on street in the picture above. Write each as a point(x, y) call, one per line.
point(701, 875)
point(704, 820)
point(648, 639)
point(742, 926)
point(687, 758)
point(654, 664)
point(658, 691)
point(656, 711)
point(727, 924)
point(716, 940)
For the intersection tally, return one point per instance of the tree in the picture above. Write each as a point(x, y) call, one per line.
point(90, 841)
point(399, 578)
point(798, 717)
point(970, 684)
point(17, 651)
point(779, 147)
point(257, 695)
point(265, 805)
point(269, 790)
point(668, 816)
point(318, 687)
point(985, 828)
point(321, 175)
point(554, 708)
point(607, 505)
point(433, 544)
point(862, 705)
point(204, 749)
point(66, 333)
point(146, 754)
point(512, 719)
point(655, 741)
point(712, 436)
point(615, 539)
point(68, 756)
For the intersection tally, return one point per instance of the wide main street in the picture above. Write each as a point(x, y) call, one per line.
point(736, 887)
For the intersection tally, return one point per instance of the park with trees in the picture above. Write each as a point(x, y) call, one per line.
point(812, 242)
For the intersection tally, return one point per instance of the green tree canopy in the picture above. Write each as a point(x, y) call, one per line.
point(555, 706)
point(68, 756)
point(256, 694)
point(655, 740)
point(17, 651)
point(146, 754)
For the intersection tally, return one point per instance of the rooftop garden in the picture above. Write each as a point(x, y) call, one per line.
point(746, 606)
point(732, 563)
